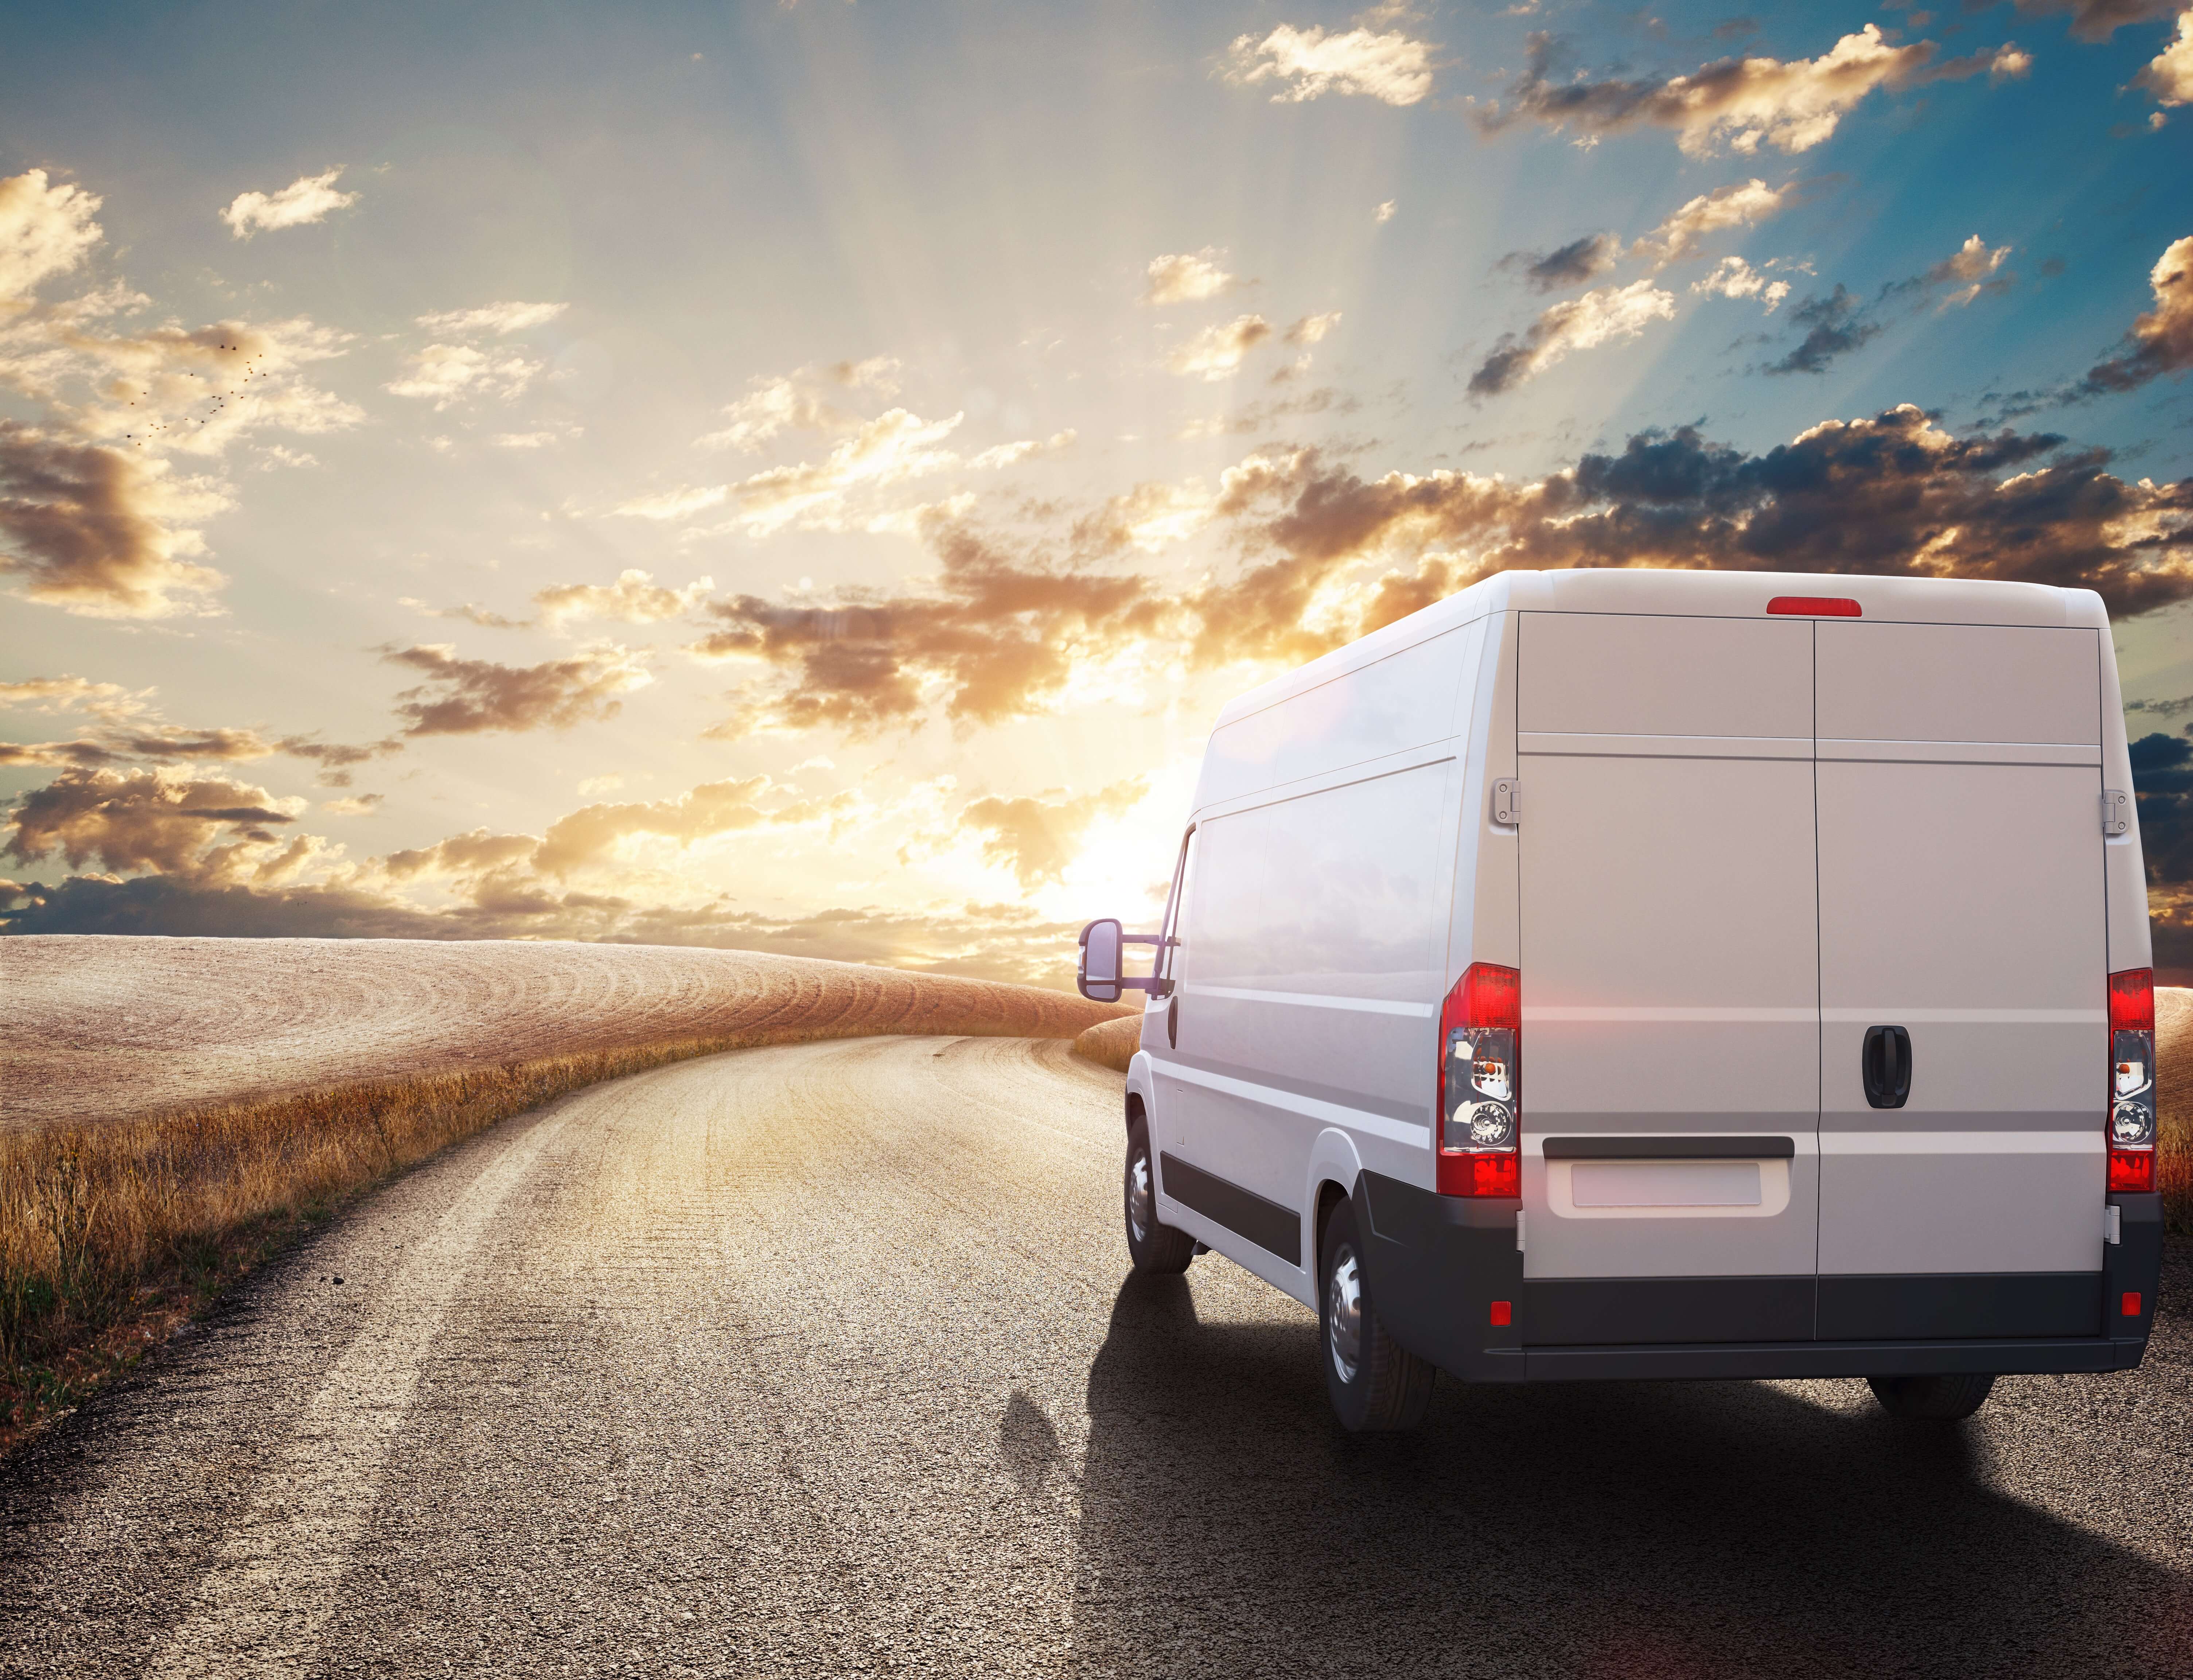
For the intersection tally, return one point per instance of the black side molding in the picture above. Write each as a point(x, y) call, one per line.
point(1671, 1148)
point(1274, 1229)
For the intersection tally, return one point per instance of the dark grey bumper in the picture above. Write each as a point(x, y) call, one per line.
point(1436, 1264)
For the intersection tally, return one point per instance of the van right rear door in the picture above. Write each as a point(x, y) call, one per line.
point(1961, 858)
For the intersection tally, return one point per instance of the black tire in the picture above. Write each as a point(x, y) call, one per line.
point(1931, 1399)
point(1376, 1383)
point(1154, 1247)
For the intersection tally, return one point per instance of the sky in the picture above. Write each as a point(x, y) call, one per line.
point(805, 476)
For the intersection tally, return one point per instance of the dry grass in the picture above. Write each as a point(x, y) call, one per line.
point(1112, 1044)
point(2173, 1067)
point(117, 1223)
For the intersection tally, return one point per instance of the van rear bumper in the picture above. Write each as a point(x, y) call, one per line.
point(1754, 1359)
point(1436, 1266)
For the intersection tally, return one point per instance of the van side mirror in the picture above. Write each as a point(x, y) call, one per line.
point(1099, 976)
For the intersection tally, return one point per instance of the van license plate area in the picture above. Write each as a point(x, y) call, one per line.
point(1665, 1184)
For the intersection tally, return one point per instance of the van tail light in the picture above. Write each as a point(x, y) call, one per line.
point(1480, 1084)
point(2132, 1079)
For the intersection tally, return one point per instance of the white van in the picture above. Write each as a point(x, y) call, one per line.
point(1659, 974)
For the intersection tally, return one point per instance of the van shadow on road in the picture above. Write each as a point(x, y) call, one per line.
point(1227, 1527)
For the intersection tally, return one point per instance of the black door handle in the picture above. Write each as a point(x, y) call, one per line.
point(1172, 1022)
point(1884, 1065)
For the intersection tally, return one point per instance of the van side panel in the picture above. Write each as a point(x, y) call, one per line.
point(1492, 931)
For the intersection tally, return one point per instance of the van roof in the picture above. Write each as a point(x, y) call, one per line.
point(1692, 593)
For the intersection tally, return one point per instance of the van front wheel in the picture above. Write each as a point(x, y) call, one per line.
point(1942, 1399)
point(1153, 1246)
point(1376, 1383)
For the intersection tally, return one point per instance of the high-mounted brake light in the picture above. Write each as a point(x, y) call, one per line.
point(1481, 1085)
point(1817, 606)
point(2132, 1079)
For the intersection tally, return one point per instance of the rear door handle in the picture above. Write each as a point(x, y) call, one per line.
point(1172, 1023)
point(1884, 1065)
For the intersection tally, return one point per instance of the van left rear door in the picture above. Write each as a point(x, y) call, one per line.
point(1670, 1054)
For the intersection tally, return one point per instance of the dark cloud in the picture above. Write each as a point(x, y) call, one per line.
point(473, 696)
point(2162, 777)
point(1893, 495)
point(97, 531)
point(2161, 341)
point(1575, 264)
point(998, 636)
point(1835, 325)
point(205, 828)
point(1736, 103)
point(2095, 20)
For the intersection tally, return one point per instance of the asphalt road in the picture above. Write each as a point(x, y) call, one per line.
point(825, 1359)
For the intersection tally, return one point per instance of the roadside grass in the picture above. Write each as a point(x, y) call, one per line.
point(113, 1236)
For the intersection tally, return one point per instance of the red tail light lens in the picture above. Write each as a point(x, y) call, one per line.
point(1480, 1084)
point(1817, 606)
point(2132, 1079)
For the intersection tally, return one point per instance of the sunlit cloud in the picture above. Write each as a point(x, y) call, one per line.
point(1738, 104)
point(306, 200)
point(474, 696)
point(2169, 75)
point(2161, 341)
point(1732, 276)
point(1682, 235)
point(801, 402)
point(1217, 352)
point(45, 229)
point(1304, 64)
point(1972, 269)
point(1612, 315)
point(1187, 277)
point(634, 599)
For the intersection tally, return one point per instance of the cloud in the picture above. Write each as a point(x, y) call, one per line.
point(105, 533)
point(472, 697)
point(634, 599)
point(1893, 496)
point(674, 504)
point(202, 828)
point(1609, 315)
point(800, 402)
point(444, 374)
point(2098, 19)
point(590, 835)
point(895, 446)
point(993, 639)
point(1732, 276)
point(1968, 272)
point(500, 319)
point(2160, 342)
point(1027, 449)
point(2169, 75)
point(1306, 63)
point(1384, 213)
point(45, 229)
point(306, 200)
point(1216, 352)
point(108, 700)
point(1311, 328)
point(1835, 325)
point(1188, 278)
point(1571, 264)
point(1036, 838)
point(1743, 205)
point(1735, 104)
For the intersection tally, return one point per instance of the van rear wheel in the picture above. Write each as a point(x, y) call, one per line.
point(1940, 1399)
point(1153, 1247)
point(1376, 1383)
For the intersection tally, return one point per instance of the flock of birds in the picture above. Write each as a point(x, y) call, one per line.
point(214, 403)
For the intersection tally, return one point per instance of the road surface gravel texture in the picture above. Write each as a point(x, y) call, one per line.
point(825, 1359)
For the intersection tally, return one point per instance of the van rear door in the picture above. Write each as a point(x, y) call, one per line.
point(1960, 857)
point(1670, 1054)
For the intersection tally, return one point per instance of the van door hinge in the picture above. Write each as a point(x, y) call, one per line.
point(2116, 812)
point(1519, 1230)
point(1507, 801)
point(2112, 1223)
